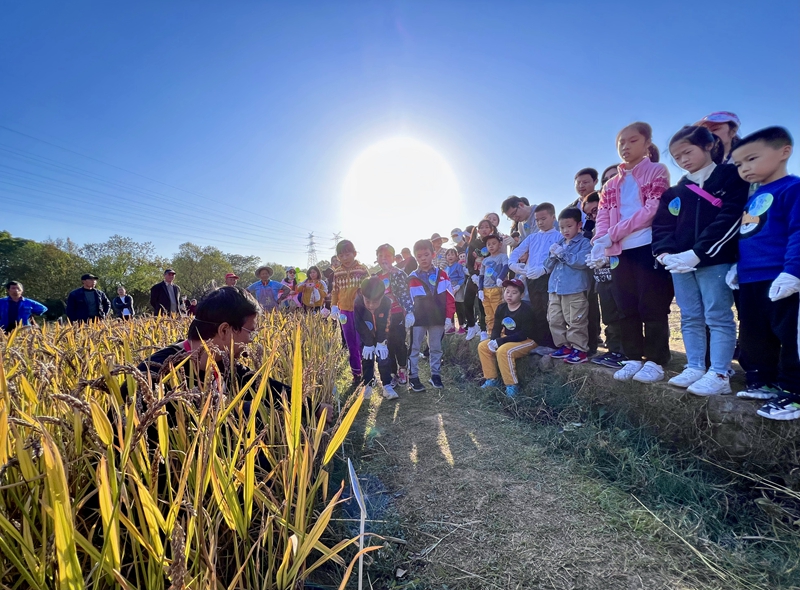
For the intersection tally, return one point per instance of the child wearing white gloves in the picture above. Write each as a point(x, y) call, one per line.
point(372, 314)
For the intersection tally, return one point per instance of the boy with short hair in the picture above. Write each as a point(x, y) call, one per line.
point(510, 339)
point(537, 246)
point(395, 282)
point(433, 307)
point(494, 270)
point(569, 282)
point(768, 273)
point(372, 311)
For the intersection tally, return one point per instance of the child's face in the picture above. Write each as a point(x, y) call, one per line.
point(493, 245)
point(372, 304)
point(385, 259)
point(451, 258)
point(335, 263)
point(424, 257)
point(569, 228)
point(512, 295)
point(544, 220)
point(759, 162)
point(590, 209)
point(584, 185)
point(690, 157)
point(347, 257)
point(632, 146)
point(484, 228)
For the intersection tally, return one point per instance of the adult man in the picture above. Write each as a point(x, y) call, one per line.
point(585, 183)
point(165, 297)
point(410, 263)
point(517, 209)
point(440, 252)
point(268, 293)
point(230, 279)
point(87, 303)
point(16, 309)
point(122, 304)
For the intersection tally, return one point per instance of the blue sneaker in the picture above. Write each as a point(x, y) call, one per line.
point(490, 383)
point(512, 390)
point(562, 352)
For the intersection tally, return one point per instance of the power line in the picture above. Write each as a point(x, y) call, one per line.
point(312, 251)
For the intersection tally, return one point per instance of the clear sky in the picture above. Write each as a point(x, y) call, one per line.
point(245, 125)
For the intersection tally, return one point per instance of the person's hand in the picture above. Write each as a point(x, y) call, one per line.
point(368, 352)
point(556, 249)
point(499, 282)
point(476, 279)
point(448, 323)
point(784, 286)
point(480, 294)
point(315, 296)
point(598, 263)
point(382, 351)
point(410, 319)
point(325, 312)
point(660, 258)
point(598, 252)
point(492, 345)
point(335, 312)
point(732, 278)
point(534, 272)
point(683, 262)
point(508, 241)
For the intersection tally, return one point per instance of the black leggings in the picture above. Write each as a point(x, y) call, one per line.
point(470, 299)
point(398, 352)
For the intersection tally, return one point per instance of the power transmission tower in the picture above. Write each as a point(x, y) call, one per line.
point(337, 237)
point(312, 250)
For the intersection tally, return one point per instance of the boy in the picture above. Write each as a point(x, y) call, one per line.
point(433, 307)
point(768, 273)
point(537, 246)
point(395, 282)
point(514, 319)
point(372, 316)
point(494, 269)
point(346, 282)
point(568, 286)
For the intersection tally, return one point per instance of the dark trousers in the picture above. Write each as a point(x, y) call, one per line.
point(594, 318)
point(461, 312)
point(540, 300)
point(398, 351)
point(643, 292)
point(768, 333)
point(611, 317)
point(470, 301)
point(368, 369)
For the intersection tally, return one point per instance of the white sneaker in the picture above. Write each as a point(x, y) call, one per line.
point(368, 392)
point(686, 378)
point(389, 392)
point(484, 336)
point(628, 370)
point(649, 373)
point(712, 383)
point(471, 332)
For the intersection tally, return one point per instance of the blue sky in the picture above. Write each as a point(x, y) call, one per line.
point(235, 124)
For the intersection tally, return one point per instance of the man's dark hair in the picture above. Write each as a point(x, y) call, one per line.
point(774, 137)
point(515, 234)
point(590, 171)
point(512, 202)
point(593, 197)
point(423, 245)
point(10, 284)
point(571, 213)
point(545, 207)
point(226, 305)
point(404, 250)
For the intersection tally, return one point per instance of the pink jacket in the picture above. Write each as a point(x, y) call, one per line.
point(653, 180)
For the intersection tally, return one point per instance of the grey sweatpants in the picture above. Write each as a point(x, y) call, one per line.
point(435, 335)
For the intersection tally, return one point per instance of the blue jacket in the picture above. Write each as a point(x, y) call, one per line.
point(568, 271)
point(27, 308)
point(457, 274)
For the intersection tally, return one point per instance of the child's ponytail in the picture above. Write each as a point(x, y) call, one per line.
point(653, 153)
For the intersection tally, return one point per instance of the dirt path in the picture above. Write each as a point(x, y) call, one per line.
point(483, 504)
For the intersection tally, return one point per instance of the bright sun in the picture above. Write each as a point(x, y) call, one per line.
point(398, 191)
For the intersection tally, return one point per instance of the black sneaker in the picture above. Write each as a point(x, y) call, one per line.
point(357, 380)
point(783, 408)
point(415, 384)
point(436, 381)
point(612, 360)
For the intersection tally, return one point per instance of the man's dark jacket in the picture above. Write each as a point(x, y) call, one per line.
point(159, 298)
point(78, 311)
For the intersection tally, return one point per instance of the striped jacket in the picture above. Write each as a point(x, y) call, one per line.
point(396, 283)
point(432, 295)
point(346, 284)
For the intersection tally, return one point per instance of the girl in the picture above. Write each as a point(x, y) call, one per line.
point(724, 125)
point(476, 252)
point(290, 281)
point(641, 288)
point(455, 270)
point(313, 290)
point(695, 235)
point(494, 219)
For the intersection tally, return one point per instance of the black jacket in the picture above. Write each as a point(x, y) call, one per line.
point(159, 298)
point(78, 311)
point(120, 303)
point(686, 221)
point(372, 327)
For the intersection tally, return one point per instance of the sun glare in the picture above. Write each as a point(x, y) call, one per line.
point(398, 191)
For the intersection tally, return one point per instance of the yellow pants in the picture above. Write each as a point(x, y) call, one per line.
point(492, 299)
point(505, 357)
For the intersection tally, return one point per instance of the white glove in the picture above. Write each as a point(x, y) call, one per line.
point(448, 323)
point(598, 252)
point(534, 272)
point(556, 249)
point(410, 319)
point(784, 286)
point(683, 262)
point(518, 267)
point(325, 312)
point(732, 278)
point(382, 351)
point(368, 352)
point(492, 345)
point(476, 279)
point(480, 294)
point(661, 258)
point(508, 241)
point(315, 296)
point(335, 312)
point(604, 241)
point(499, 282)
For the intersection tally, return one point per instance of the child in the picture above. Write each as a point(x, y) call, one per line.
point(455, 270)
point(476, 251)
point(514, 320)
point(433, 307)
point(313, 290)
point(695, 235)
point(290, 280)
point(346, 282)
point(568, 287)
point(494, 269)
point(537, 247)
point(642, 288)
point(395, 282)
point(372, 314)
point(768, 273)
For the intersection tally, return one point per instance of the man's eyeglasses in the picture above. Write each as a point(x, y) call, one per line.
point(511, 213)
point(250, 333)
